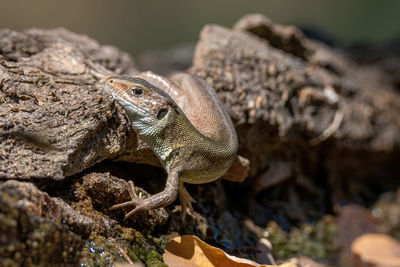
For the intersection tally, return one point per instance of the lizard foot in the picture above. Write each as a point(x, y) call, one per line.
point(135, 201)
point(186, 201)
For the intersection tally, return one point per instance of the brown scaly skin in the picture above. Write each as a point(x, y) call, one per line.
point(184, 123)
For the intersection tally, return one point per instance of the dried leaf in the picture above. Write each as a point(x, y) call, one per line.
point(376, 250)
point(190, 251)
point(304, 261)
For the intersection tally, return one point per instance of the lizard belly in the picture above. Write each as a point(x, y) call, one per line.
point(204, 169)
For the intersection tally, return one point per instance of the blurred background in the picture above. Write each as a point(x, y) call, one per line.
point(136, 26)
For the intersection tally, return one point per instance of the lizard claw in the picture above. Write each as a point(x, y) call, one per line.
point(135, 201)
point(132, 202)
point(159, 200)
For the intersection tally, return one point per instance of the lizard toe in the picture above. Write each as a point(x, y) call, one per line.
point(134, 211)
point(133, 202)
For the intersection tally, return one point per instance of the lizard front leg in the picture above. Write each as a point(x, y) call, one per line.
point(162, 199)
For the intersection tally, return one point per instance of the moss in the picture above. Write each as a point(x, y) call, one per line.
point(101, 251)
point(154, 259)
point(312, 240)
point(9, 263)
point(387, 211)
point(98, 251)
point(145, 249)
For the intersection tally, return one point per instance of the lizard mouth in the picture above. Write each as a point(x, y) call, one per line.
point(129, 106)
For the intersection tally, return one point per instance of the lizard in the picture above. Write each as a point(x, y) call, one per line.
point(184, 123)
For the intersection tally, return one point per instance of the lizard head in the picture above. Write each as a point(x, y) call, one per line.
point(147, 106)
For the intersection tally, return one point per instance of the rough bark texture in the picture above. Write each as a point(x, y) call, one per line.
point(311, 120)
point(278, 99)
point(54, 121)
point(31, 228)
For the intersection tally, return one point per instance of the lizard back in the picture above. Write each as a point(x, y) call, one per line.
point(209, 159)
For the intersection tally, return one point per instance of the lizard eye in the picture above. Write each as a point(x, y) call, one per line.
point(161, 113)
point(137, 91)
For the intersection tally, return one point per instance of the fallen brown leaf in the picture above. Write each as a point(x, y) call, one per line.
point(190, 251)
point(376, 250)
point(304, 261)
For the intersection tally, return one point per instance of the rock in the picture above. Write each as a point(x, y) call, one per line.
point(293, 101)
point(31, 228)
point(279, 100)
point(287, 38)
point(54, 121)
point(103, 190)
point(264, 252)
point(36, 229)
point(278, 172)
